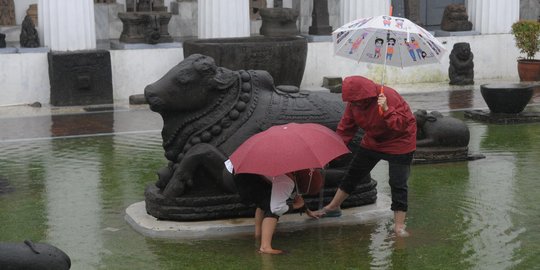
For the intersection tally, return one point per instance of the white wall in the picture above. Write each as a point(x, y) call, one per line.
point(24, 78)
point(133, 70)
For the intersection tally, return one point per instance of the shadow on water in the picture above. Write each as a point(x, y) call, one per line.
point(68, 179)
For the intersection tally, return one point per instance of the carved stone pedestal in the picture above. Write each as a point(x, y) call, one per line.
point(429, 155)
point(80, 78)
point(145, 27)
point(283, 57)
point(503, 118)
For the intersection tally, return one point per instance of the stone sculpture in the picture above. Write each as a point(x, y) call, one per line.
point(279, 22)
point(440, 138)
point(455, 18)
point(208, 111)
point(33, 256)
point(7, 12)
point(2, 40)
point(29, 37)
point(461, 70)
point(147, 23)
point(433, 129)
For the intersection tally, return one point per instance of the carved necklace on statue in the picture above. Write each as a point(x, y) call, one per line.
point(215, 125)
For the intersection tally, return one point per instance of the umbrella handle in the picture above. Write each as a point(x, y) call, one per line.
point(381, 112)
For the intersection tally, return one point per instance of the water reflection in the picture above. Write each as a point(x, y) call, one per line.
point(72, 191)
point(94, 123)
point(460, 99)
point(72, 180)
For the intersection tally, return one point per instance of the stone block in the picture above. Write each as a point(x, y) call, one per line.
point(80, 78)
point(333, 83)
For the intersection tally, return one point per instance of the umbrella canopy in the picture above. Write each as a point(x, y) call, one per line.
point(387, 40)
point(287, 148)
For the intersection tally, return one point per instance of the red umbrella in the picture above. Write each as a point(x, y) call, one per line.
point(287, 148)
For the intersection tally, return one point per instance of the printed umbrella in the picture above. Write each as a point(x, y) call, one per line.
point(387, 40)
point(287, 148)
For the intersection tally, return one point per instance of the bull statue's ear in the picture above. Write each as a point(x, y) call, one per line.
point(224, 78)
point(205, 65)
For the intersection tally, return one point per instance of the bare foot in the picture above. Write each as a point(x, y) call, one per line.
point(270, 251)
point(400, 231)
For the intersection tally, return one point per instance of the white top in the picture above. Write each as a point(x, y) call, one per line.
point(282, 188)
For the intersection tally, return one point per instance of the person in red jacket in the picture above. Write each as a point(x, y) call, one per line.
point(390, 134)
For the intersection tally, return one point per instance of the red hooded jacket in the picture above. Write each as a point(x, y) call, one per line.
point(394, 132)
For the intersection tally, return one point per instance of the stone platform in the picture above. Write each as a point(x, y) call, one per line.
point(150, 226)
point(502, 118)
point(430, 155)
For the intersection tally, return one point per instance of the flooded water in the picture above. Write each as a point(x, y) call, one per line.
point(67, 180)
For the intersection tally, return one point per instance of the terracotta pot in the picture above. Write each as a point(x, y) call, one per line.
point(506, 98)
point(529, 70)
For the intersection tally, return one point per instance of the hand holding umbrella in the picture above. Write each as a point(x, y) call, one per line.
point(383, 106)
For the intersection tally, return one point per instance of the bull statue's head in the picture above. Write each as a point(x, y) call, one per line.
point(189, 86)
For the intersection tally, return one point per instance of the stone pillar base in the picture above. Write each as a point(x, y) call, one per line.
point(145, 27)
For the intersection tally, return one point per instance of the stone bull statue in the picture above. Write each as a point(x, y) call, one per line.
point(440, 138)
point(32, 256)
point(436, 130)
point(207, 112)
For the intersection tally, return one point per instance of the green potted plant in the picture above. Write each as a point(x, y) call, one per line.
point(527, 36)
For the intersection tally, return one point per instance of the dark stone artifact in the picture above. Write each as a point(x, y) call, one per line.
point(2, 40)
point(506, 102)
point(333, 84)
point(208, 111)
point(506, 98)
point(277, 22)
point(149, 27)
point(455, 18)
point(436, 130)
point(80, 78)
point(461, 70)
point(283, 57)
point(320, 23)
point(29, 37)
point(32, 256)
point(440, 138)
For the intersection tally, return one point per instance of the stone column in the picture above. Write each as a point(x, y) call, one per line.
point(355, 9)
point(493, 16)
point(222, 19)
point(67, 25)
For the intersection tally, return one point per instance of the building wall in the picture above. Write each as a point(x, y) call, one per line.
point(24, 77)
